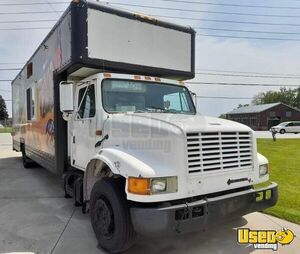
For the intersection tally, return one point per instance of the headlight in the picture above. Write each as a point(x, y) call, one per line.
point(263, 169)
point(150, 186)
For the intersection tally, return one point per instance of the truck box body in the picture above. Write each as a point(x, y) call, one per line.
point(90, 38)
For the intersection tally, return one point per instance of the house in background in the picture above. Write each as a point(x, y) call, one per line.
point(262, 117)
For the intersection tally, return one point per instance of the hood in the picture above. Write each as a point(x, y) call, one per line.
point(186, 123)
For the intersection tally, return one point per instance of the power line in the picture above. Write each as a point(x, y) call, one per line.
point(10, 63)
point(247, 37)
point(27, 21)
point(248, 76)
point(225, 97)
point(175, 1)
point(16, 4)
point(205, 11)
point(238, 84)
point(243, 31)
point(248, 72)
point(163, 16)
point(230, 21)
point(24, 28)
point(53, 8)
point(28, 12)
point(231, 5)
point(10, 69)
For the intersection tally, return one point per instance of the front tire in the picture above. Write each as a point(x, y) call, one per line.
point(282, 131)
point(110, 215)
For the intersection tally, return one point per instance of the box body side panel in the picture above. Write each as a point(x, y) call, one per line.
point(35, 93)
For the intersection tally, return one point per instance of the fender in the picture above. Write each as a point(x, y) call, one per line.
point(119, 163)
point(262, 159)
point(124, 164)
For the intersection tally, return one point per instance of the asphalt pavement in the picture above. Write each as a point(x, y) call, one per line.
point(36, 218)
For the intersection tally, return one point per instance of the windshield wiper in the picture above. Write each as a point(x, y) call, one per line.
point(164, 110)
point(140, 111)
point(157, 108)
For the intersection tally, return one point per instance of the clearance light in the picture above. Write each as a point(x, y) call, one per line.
point(147, 78)
point(107, 75)
point(157, 79)
point(142, 16)
point(181, 83)
point(137, 77)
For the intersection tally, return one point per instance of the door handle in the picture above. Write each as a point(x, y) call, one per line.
point(100, 141)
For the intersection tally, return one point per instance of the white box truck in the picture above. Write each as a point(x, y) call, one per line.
point(102, 102)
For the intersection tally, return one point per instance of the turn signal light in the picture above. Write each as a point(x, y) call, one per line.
point(140, 186)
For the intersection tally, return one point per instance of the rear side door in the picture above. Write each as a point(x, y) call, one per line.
point(296, 127)
point(289, 127)
point(84, 125)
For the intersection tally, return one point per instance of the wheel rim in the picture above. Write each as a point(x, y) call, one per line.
point(104, 218)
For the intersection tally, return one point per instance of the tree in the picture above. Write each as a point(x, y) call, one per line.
point(3, 110)
point(290, 97)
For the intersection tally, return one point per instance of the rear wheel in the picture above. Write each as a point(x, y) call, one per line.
point(282, 131)
point(110, 215)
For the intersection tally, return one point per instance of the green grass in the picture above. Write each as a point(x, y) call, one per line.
point(284, 159)
point(6, 130)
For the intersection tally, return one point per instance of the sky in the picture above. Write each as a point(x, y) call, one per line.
point(280, 57)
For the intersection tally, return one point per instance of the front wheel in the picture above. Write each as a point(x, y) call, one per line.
point(110, 215)
point(282, 131)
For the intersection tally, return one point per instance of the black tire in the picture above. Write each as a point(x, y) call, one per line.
point(282, 131)
point(110, 216)
point(27, 162)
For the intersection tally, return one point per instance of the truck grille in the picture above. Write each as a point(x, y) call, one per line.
point(212, 151)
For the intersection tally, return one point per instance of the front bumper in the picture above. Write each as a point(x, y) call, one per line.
point(196, 216)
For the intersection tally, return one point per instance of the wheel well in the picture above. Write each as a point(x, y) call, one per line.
point(96, 170)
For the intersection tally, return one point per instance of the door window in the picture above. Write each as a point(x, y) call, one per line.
point(31, 112)
point(86, 102)
point(176, 101)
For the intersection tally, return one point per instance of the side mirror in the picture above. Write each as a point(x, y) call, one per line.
point(66, 97)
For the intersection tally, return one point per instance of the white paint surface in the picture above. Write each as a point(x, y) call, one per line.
point(124, 40)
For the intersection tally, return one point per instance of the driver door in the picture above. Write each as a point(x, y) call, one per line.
point(84, 125)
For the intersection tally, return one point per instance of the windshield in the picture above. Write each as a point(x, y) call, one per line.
point(139, 96)
point(283, 124)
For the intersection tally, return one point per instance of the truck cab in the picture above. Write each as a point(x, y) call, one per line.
point(102, 103)
point(178, 171)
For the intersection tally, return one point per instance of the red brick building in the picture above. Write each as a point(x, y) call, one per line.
point(262, 117)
